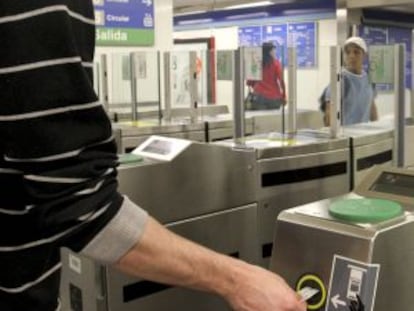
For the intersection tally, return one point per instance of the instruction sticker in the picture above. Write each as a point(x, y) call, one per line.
point(352, 281)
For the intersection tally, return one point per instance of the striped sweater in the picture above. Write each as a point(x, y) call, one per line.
point(58, 167)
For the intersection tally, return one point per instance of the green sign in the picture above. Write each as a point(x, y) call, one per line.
point(124, 37)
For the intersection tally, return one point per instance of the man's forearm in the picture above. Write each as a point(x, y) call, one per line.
point(165, 257)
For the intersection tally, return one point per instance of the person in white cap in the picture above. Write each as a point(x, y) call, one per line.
point(358, 93)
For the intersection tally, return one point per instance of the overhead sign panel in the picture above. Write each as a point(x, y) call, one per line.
point(124, 22)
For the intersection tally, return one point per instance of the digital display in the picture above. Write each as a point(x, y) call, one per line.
point(396, 184)
point(157, 146)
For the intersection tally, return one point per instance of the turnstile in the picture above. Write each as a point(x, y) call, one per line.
point(365, 250)
point(203, 192)
point(294, 170)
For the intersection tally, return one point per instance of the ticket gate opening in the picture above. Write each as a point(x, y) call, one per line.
point(345, 259)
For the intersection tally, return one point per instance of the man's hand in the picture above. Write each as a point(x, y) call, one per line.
point(258, 289)
point(357, 305)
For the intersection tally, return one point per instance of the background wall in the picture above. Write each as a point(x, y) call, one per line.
point(226, 39)
point(311, 82)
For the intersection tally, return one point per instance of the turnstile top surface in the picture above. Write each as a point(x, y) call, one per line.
point(368, 133)
point(318, 213)
point(271, 112)
point(271, 145)
point(155, 126)
point(224, 121)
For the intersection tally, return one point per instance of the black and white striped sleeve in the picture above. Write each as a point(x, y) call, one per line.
point(58, 172)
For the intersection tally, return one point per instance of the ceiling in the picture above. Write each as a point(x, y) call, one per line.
point(187, 6)
point(184, 6)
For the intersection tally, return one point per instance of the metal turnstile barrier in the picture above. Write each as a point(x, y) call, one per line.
point(352, 254)
point(204, 193)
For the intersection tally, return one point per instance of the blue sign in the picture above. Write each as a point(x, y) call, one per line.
point(374, 35)
point(403, 35)
point(303, 37)
point(124, 22)
point(277, 34)
point(250, 36)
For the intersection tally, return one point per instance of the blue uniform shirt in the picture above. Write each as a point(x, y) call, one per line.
point(358, 95)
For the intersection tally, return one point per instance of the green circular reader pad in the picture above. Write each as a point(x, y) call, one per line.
point(365, 210)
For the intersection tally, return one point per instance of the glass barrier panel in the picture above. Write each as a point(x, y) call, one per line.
point(97, 78)
point(225, 78)
point(147, 75)
point(180, 71)
point(313, 73)
point(119, 85)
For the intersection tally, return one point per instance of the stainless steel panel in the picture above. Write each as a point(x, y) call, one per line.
point(364, 151)
point(233, 231)
point(305, 142)
point(394, 251)
point(300, 249)
point(203, 179)
point(272, 200)
point(365, 187)
point(368, 133)
point(229, 232)
point(307, 239)
point(222, 128)
point(265, 122)
point(409, 146)
point(118, 140)
point(89, 279)
point(321, 188)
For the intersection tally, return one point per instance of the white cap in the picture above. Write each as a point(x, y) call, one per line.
point(358, 41)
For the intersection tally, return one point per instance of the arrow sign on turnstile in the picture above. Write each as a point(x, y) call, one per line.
point(352, 281)
point(337, 302)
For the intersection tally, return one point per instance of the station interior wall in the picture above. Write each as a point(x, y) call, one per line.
point(310, 82)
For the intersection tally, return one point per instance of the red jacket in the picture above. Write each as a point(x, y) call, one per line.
point(272, 85)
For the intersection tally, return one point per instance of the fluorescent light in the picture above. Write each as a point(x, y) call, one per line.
point(248, 5)
point(248, 15)
point(190, 12)
point(195, 21)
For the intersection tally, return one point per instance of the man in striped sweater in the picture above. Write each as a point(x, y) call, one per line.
point(58, 182)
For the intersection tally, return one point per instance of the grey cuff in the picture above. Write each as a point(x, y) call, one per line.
point(119, 235)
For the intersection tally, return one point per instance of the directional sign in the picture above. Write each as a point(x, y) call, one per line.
point(250, 36)
point(351, 279)
point(124, 22)
point(303, 37)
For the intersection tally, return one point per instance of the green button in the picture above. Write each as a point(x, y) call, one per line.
point(365, 210)
point(129, 158)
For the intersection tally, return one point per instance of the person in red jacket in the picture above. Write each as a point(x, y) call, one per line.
point(269, 93)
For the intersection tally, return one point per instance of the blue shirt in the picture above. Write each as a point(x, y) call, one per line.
point(358, 95)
